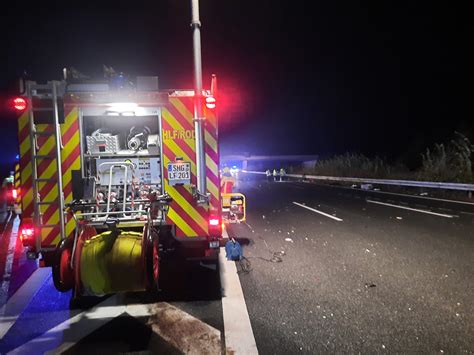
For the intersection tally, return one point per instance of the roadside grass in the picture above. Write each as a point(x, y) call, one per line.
point(450, 162)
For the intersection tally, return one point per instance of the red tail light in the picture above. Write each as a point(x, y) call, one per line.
point(215, 226)
point(14, 193)
point(19, 103)
point(27, 232)
point(211, 102)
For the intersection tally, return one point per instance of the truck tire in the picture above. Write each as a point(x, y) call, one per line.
point(153, 261)
point(63, 275)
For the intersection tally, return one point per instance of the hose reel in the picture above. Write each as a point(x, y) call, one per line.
point(138, 137)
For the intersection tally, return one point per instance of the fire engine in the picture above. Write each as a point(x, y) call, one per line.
point(109, 181)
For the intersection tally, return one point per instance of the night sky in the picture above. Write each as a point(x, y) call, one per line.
point(373, 77)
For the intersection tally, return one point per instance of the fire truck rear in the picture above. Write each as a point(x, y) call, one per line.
point(109, 181)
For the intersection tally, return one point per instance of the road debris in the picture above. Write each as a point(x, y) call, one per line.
point(288, 240)
point(399, 217)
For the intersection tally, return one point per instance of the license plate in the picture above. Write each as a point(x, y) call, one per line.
point(179, 173)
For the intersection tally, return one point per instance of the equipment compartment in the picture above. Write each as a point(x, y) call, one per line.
point(121, 135)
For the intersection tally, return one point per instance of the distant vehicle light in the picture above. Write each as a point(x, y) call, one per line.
point(19, 104)
point(211, 102)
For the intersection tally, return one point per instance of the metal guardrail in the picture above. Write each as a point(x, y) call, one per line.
point(410, 183)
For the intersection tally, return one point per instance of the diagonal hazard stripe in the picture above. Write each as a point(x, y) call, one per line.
point(24, 134)
point(71, 162)
point(23, 120)
point(25, 147)
point(186, 108)
point(180, 223)
point(70, 226)
point(179, 152)
point(177, 126)
point(212, 166)
point(211, 142)
point(170, 155)
point(27, 202)
point(186, 206)
point(26, 173)
point(212, 188)
point(198, 229)
point(185, 200)
point(70, 119)
point(179, 105)
point(212, 118)
point(51, 238)
point(47, 146)
point(184, 118)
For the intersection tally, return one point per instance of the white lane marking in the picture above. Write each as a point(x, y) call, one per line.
point(239, 338)
point(317, 211)
point(175, 326)
point(7, 272)
point(81, 325)
point(18, 302)
point(403, 195)
point(412, 209)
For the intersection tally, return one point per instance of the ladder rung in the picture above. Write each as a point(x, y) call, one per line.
point(47, 202)
point(44, 96)
point(42, 109)
point(44, 133)
point(48, 225)
point(44, 157)
point(40, 86)
point(46, 180)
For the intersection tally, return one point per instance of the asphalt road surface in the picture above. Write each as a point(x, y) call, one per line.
point(327, 270)
point(364, 277)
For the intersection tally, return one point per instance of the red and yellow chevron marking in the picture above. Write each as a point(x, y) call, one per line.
point(179, 142)
point(26, 193)
point(17, 184)
point(47, 169)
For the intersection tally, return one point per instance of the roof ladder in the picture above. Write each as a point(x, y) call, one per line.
point(48, 91)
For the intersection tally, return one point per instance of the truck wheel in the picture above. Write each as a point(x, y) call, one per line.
point(63, 275)
point(153, 262)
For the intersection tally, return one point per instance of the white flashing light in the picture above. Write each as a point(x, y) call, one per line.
point(124, 109)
